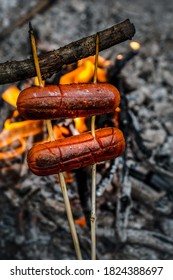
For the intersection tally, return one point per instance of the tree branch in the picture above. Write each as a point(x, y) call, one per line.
point(52, 61)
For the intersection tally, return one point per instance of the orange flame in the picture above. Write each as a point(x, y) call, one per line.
point(10, 95)
point(14, 131)
point(36, 82)
point(84, 74)
point(17, 131)
point(59, 131)
point(85, 71)
point(102, 62)
point(80, 124)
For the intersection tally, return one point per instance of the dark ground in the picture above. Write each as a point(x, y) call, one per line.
point(33, 223)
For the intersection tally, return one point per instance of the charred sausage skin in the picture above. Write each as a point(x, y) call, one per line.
point(75, 151)
point(67, 101)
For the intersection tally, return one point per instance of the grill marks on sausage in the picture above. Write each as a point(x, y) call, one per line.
point(75, 100)
point(76, 151)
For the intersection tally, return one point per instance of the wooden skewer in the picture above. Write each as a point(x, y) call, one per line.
point(93, 193)
point(52, 138)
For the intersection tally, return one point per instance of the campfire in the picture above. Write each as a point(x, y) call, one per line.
point(126, 186)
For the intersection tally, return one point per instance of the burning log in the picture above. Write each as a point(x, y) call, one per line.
point(19, 70)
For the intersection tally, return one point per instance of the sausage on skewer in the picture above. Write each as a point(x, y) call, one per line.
point(75, 151)
point(67, 101)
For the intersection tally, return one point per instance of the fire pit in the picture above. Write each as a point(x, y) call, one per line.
point(134, 192)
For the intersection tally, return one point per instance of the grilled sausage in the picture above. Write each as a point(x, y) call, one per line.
point(75, 151)
point(68, 101)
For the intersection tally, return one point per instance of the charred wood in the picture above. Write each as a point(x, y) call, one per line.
point(83, 178)
point(150, 239)
point(123, 204)
point(157, 180)
point(120, 64)
point(157, 201)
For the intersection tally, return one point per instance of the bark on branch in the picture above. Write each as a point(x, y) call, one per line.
point(52, 61)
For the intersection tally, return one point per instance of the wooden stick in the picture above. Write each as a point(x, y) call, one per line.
point(52, 61)
point(34, 53)
point(93, 193)
point(70, 216)
point(60, 175)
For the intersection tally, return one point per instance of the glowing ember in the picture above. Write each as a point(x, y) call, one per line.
point(119, 56)
point(116, 117)
point(135, 45)
point(81, 222)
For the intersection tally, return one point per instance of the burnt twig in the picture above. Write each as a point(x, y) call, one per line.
point(52, 61)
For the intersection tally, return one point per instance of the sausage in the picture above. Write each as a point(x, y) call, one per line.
point(67, 101)
point(75, 151)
